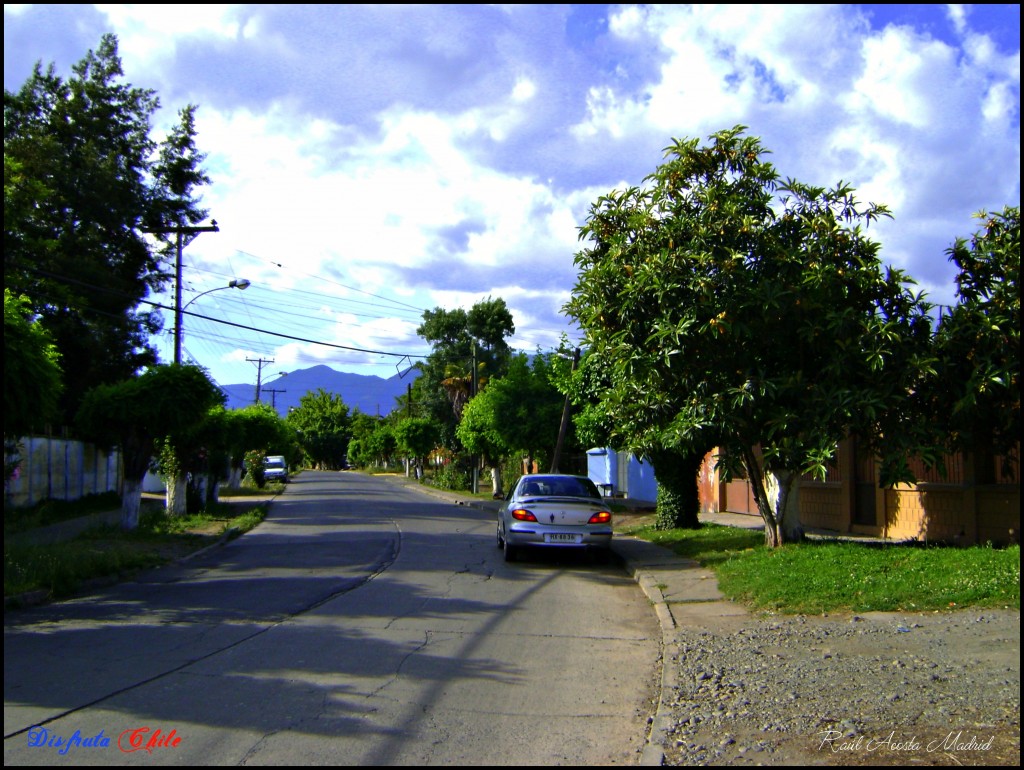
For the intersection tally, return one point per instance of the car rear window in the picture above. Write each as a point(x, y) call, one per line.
point(559, 486)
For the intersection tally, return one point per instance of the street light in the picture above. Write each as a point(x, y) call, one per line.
point(272, 391)
point(238, 283)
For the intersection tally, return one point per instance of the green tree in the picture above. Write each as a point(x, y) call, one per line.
point(518, 413)
point(416, 438)
point(257, 427)
point(728, 307)
point(136, 414)
point(194, 460)
point(82, 177)
point(459, 339)
point(32, 374)
point(480, 432)
point(363, 426)
point(322, 425)
point(208, 460)
point(585, 386)
point(381, 445)
point(977, 387)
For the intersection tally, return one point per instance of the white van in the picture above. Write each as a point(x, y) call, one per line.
point(275, 468)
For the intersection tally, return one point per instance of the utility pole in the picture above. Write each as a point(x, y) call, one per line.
point(476, 458)
point(273, 395)
point(180, 231)
point(565, 419)
point(259, 373)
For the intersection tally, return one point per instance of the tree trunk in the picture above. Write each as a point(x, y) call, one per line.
point(778, 501)
point(176, 501)
point(131, 502)
point(211, 492)
point(136, 452)
point(678, 501)
point(496, 490)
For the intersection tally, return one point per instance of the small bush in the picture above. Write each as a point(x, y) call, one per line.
point(255, 468)
point(453, 476)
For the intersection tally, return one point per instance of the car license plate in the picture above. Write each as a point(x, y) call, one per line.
point(560, 537)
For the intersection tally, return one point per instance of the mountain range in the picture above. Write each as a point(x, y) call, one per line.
point(367, 393)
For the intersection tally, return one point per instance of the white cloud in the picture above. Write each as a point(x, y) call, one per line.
point(958, 16)
point(442, 154)
point(151, 31)
point(900, 78)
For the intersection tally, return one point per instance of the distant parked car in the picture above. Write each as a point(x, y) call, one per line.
point(554, 511)
point(275, 468)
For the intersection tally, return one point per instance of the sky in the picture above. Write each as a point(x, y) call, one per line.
point(372, 162)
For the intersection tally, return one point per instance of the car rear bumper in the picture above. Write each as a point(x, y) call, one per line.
point(527, 534)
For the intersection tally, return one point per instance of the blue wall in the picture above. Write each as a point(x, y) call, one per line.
point(603, 468)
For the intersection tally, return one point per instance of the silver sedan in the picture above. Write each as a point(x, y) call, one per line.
point(552, 510)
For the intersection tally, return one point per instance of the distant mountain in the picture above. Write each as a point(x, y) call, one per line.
point(367, 393)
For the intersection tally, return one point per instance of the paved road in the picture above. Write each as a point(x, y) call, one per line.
point(362, 623)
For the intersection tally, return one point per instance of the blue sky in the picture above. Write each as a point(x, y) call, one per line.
point(370, 162)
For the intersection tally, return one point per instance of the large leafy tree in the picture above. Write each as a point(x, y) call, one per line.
point(323, 429)
point(729, 306)
point(379, 446)
point(480, 432)
point(518, 413)
point(32, 373)
point(206, 457)
point(977, 387)
point(82, 178)
point(416, 438)
point(257, 427)
point(677, 467)
point(136, 414)
point(461, 339)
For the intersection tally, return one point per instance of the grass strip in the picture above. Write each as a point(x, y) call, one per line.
point(61, 569)
point(825, 576)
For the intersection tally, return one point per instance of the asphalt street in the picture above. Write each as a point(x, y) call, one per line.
point(363, 623)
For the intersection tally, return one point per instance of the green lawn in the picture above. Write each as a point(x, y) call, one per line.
point(843, 576)
point(61, 569)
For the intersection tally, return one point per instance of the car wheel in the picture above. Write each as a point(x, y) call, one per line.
point(510, 551)
point(501, 540)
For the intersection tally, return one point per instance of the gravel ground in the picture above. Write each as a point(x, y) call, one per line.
point(874, 689)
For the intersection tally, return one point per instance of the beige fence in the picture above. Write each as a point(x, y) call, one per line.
point(60, 469)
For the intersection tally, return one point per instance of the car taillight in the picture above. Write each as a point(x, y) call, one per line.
point(601, 517)
point(523, 515)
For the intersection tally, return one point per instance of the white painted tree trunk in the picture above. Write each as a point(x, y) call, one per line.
point(783, 492)
point(777, 494)
point(496, 490)
point(176, 496)
point(131, 502)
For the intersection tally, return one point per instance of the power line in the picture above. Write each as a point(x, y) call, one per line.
point(287, 336)
point(181, 231)
point(336, 283)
